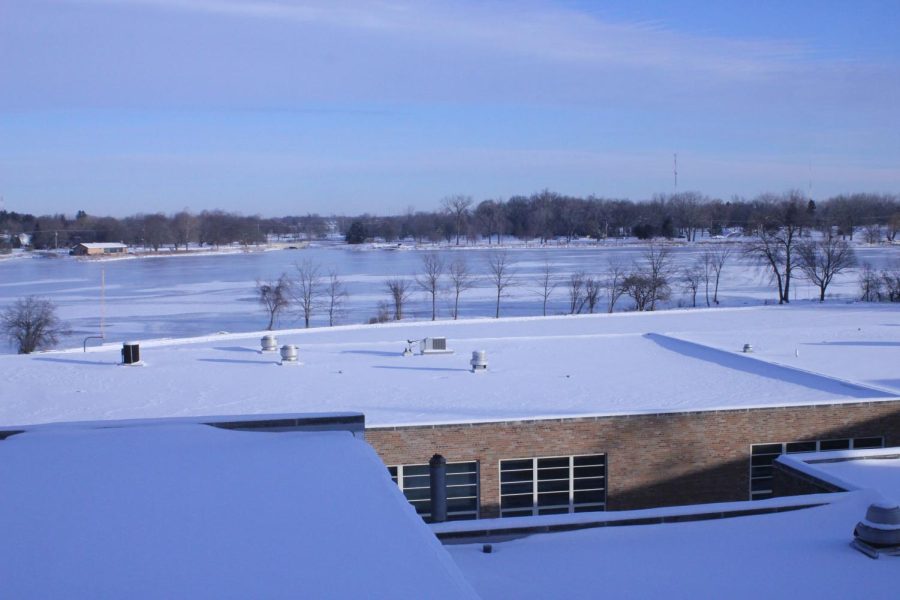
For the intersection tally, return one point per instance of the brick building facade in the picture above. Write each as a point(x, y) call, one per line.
point(650, 460)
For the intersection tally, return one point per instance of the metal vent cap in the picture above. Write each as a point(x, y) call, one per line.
point(881, 527)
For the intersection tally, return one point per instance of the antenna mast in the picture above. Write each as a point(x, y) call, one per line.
point(809, 189)
point(675, 170)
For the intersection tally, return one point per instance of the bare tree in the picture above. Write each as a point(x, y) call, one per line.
point(614, 284)
point(546, 284)
point(889, 285)
point(306, 289)
point(592, 287)
point(460, 280)
point(31, 324)
point(821, 261)
point(399, 289)
point(869, 284)
point(274, 296)
point(575, 288)
point(704, 266)
point(500, 271)
point(872, 233)
point(715, 258)
point(184, 229)
point(644, 290)
point(458, 206)
point(383, 315)
point(776, 243)
point(430, 278)
point(336, 294)
point(657, 258)
point(691, 278)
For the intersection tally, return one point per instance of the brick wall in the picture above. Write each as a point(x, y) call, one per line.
point(787, 481)
point(652, 460)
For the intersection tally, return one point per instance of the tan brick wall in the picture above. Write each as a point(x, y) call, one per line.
point(652, 460)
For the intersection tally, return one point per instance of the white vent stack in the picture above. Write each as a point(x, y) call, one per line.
point(748, 348)
point(879, 532)
point(268, 343)
point(289, 354)
point(434, 345)
point(479, 361)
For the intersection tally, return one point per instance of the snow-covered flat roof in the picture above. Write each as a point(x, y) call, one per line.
point(185, 510)
point(797, 554)
point(538, 368)
point(102, 245)
point(875, 469)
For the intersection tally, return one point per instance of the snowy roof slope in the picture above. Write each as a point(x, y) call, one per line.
point(798, 554)
point(551, 367)
point(163, 510)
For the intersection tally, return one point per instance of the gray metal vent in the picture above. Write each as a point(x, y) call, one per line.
point(434, 345)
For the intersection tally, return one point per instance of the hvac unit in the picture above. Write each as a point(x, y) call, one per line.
point(434, 345)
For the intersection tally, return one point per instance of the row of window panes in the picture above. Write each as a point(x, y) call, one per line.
point(462, 489)
point(552, 485)
point(762, 458)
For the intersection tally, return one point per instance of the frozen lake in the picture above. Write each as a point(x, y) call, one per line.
point(186, 296)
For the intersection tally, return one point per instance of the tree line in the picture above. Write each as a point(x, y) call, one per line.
point(155, 231)
point(542, 216)
point(546, 216)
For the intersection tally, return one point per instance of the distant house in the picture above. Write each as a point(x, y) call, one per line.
point(98, 249)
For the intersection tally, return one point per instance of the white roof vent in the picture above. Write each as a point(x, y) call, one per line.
point(289, 355)
point(479, 361)
point(434, 345)
point(269, 343)
point(879, 532)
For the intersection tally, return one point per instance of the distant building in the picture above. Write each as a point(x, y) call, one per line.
point(98, 249)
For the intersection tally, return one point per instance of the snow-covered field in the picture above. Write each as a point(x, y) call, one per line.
point(191, 295)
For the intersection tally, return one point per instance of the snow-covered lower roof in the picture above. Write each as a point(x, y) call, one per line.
point(802, 553)
point(875, 469)
point(102, 245)
point(186, 510)
point(629, 363)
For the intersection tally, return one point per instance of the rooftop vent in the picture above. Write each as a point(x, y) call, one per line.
point(269, 343)
point(479, 361)
point(434, 345)
point(131, 353)
point(879, 532)
point(289, 355)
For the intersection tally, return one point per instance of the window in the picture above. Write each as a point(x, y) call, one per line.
point(462, 489)
point(762, 458)
point(552, 485)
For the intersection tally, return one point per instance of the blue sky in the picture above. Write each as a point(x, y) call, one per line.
point(279, 107)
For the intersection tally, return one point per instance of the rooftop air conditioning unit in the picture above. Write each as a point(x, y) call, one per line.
point(434, 345)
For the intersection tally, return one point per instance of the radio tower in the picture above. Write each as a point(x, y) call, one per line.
point(675, 170)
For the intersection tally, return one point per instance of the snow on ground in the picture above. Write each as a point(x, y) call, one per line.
point(798, 554)
point(538, 367)
point(179, 510)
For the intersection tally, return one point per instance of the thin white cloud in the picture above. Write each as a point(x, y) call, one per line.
point(532, 30)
